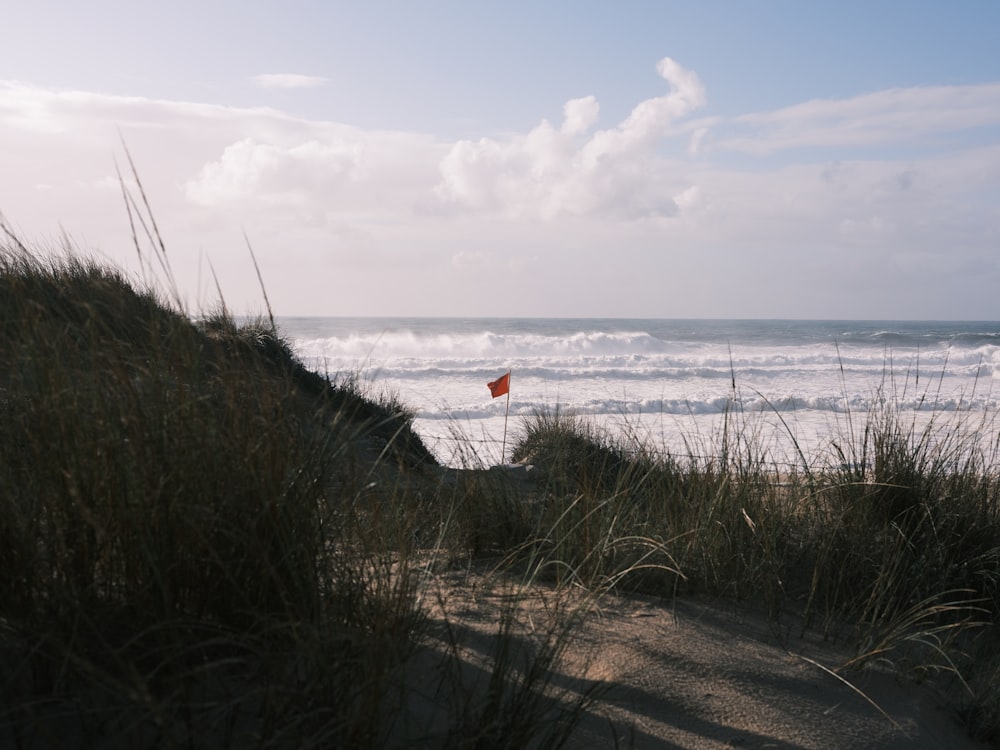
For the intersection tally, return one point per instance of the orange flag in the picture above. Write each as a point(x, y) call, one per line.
point(500, 386)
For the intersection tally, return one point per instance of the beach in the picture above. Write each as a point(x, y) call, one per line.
point(668, 384)
point(211, 544)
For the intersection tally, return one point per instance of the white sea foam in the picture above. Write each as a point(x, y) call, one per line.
point(658, 378)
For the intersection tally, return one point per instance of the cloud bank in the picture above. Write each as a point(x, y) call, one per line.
point(880, 185)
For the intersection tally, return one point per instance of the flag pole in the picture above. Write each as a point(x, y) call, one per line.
point(503, 445)
point(499, 387)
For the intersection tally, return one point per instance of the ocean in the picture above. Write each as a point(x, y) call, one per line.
point(797, 385)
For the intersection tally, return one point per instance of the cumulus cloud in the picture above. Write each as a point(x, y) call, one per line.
point(334, 168)
point(543, 174)
point(288, 81)
point(580, 115)
point(248, 169)
point(549, 172)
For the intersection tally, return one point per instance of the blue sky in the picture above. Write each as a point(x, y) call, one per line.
point(639, 159)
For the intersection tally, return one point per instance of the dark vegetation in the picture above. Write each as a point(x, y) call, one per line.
point(205, 544)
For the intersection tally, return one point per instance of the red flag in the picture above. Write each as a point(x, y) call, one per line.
point(500, 386)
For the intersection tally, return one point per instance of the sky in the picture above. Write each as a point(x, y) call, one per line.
point(769, 159)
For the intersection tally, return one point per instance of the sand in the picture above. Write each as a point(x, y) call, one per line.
point(691, 673)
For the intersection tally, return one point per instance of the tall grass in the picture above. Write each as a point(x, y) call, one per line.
point(896, 548)
point(206, 544)
point(890, 540)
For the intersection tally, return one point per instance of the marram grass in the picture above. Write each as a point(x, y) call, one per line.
point(204, 544)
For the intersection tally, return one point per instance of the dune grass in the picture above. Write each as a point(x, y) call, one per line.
point(205, 544)
point(895, 549)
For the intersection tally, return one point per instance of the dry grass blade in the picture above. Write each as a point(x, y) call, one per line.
point(260, 279)
point(843, 680)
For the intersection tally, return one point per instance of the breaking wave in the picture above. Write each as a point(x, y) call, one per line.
point(612, 368)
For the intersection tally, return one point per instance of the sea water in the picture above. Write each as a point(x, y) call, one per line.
point(797, 386)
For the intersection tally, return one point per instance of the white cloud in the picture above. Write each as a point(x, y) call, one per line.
point(288, 81)
point(248, 170)
point(542, 174)
point(884, 118)
point(26, 108)
point(547, 172)
point(336, 169)
point(580, 115)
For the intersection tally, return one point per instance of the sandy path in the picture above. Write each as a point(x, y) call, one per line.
point(692, 674)
point(697, 676)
